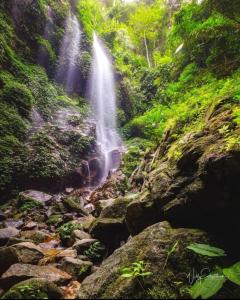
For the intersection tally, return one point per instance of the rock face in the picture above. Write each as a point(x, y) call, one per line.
point(19, 272)
point(34, 289)
point(198, 187)
point(6, 234)
point(169, 279)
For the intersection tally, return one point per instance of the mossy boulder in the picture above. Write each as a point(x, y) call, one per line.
point(34, 289)
point(78, 268)
point(20, 272)
point(72, 203)
point(55, 220)
point(110, 231)
point(169, 277)
point(141, 213)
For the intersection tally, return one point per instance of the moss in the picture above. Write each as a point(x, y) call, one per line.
point(47, 48)
point(19, 96)
point(34, 289)
point(73, 203)
point(55, 220)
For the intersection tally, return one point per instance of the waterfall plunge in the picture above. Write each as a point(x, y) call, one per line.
point(103, 98)
point(69, 54)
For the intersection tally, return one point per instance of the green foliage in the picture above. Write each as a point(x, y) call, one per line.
point(30, 205)
point(211, 284)
point(66, 230)
point(206, 250)
point(170, 252)
point(26, 291)
point(208, 286)
point(95, 252)
point(137, 270)
point(233, 273)
point(90, 15)
point(19, 96)
point(135, 150)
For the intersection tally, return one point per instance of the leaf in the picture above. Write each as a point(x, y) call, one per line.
point(146, 274)
point(126, 270)
point(206, 250)
point(208, 286)
point(233, 273)
point(127, 275)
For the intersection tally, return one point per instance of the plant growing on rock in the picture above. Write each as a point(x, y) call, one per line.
point(136, 271)
point(95, 252)
point(66, 230)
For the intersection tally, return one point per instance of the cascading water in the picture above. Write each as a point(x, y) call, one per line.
point(103, 98)
point(69, 54)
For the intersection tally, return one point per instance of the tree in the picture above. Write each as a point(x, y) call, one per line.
point(145, 25)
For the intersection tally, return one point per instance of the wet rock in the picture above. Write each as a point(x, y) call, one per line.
point(141, 213)
point(110, 231)
point(87, 222)
point(55, 220)
point(14, 241)
point(20, 272)
point(30, 226)
point(36, 236)
point(79, 269)
point(83, 245)
point(34, 288)
point(13, 223)
point(69, 190)
point(28, 253)
point(36, 196)
point(8, 257)
point(71, 253)
point(80, 235)
point(2, 216)
point(151, 246)
point(73, 203)
point(6, 234)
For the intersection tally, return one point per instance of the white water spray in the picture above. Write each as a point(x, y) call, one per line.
point(103, 99)
point(69, 53)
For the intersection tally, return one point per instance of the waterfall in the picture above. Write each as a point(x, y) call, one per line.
point(69, 54)
point(103, 99)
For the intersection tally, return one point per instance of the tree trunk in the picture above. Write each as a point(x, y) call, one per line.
point(147, 51)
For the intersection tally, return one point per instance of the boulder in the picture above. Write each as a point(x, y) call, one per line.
point(34, 289)
point(169, 278)
point(19, 272)
point(110, 231)
point(83, 245)
point(6, 234)
point(30, 226)
point(14, 223)
point(36, 236)
point(67, 253)
point(141, 213)
point(2, 216)
point(8, 257)
point(28, 253)
point(80, 235)
point(36, 196)
point(79, 269)
point(73, 203)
